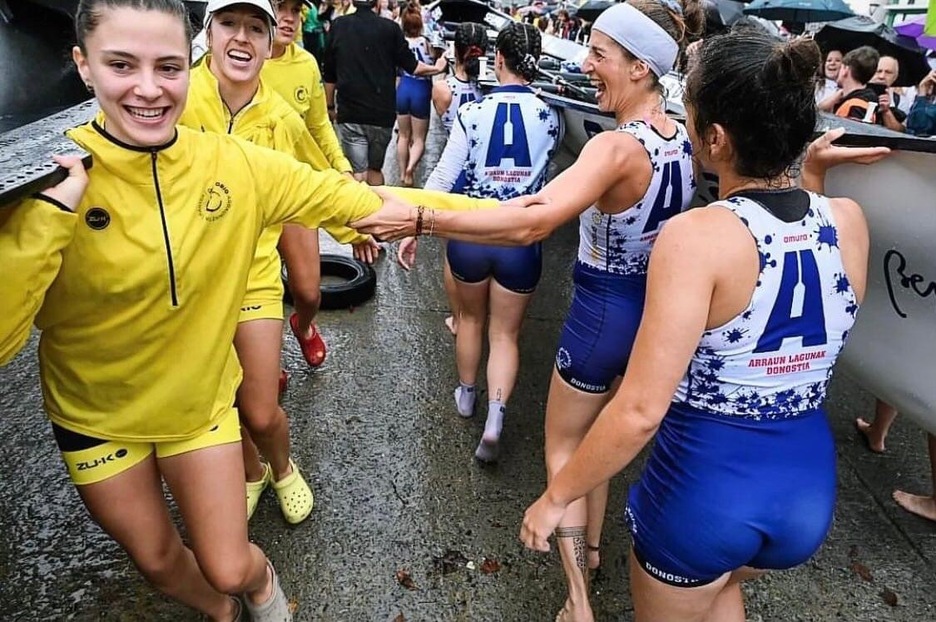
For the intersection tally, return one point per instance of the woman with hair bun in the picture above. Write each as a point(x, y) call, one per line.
point(749, 302)
point(500, 147)
point(413, 97)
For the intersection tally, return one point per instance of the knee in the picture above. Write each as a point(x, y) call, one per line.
point(263, 421)
point(307, 294)
point(160, 566)
point(230, 575)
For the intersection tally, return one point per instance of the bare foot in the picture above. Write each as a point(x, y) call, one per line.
point(916, 504)
point(874, 443)
point(452, 324)
point(568, 613)
point(407, 179)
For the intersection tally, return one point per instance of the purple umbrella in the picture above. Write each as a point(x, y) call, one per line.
point(914, 28)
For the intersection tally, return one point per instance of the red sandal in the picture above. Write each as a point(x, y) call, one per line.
point(313, 348)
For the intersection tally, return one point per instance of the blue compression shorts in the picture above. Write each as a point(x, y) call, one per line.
point(414, 97)
point(721, 492)
point(599, 331)
point(517, 268)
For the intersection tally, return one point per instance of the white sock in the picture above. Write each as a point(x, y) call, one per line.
point(465, 399)
point(495, 421)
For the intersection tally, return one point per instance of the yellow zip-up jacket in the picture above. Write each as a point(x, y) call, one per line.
point(138, 292)
point(267, 121)
point(296, 77)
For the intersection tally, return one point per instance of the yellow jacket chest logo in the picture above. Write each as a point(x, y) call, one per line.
point(214, 202)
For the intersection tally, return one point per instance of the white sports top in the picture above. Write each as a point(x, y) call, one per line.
point(462, 93)
point(419, 46)
point(775, 359)
point(621, 243)
point(500, 146)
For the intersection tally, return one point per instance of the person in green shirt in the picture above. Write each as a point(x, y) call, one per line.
point(313, 31)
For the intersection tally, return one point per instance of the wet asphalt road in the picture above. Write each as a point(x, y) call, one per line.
point(397, 489)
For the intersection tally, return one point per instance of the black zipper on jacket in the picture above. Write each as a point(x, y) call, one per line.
point(165, 227)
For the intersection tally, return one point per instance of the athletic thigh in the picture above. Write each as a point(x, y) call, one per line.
point(208, 487)
point(508, 309)
point(570, 413)
point(259, 344)
point(474, 298)
point(655, 601)
point(131, 508)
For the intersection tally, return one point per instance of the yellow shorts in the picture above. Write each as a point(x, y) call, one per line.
point(261, 310)
point(90, 460)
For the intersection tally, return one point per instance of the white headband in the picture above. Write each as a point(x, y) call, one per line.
point(639, 35)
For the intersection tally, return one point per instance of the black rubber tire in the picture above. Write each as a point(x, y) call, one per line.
point(360, 282)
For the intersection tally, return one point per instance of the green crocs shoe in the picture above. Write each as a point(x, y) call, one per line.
point(255, 490)
point(295, 496)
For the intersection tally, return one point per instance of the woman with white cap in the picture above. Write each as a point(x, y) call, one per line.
point(646, 177)
point(228, 96)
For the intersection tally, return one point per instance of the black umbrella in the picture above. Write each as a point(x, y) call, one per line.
point(848, 34)
point(591, 9)
point(721, 14)
point(800, 11)
point(458, 11)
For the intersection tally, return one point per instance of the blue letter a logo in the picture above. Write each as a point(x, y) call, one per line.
point(798, 311)
point(508, 138)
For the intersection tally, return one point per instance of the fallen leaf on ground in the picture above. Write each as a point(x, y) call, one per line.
point(399, 618)
point(889, 597)
point(862, 571)
point(489, 565)
point(293, 605)
point(403, 578)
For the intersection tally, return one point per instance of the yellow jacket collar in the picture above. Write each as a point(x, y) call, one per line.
point(204, 91)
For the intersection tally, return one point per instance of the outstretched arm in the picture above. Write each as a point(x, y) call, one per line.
point(564, 198)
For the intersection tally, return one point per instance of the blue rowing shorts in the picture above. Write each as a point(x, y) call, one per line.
point(720, 492)
point(599, 331)
point(517, 268)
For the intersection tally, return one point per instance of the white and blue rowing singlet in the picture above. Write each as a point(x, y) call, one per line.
point(463, 92)
point(621, 243)
point(512, 135)
point(775, 359)
point(419, 46)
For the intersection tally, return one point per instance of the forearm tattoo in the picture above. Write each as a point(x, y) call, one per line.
point(579, 545)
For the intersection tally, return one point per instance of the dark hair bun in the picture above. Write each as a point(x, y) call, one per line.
point(795, 63)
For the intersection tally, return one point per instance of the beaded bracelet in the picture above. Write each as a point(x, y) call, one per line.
point(419, 219)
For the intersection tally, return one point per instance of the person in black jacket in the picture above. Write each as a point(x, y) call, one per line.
point(363, 55)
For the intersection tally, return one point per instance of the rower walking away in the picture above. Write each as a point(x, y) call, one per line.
point(413, 97)
point(500, 146)
point(783, 284)
point(136, 280)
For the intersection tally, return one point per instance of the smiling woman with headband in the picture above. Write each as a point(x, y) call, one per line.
point(645, 178)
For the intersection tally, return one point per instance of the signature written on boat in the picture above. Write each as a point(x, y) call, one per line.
point(898, 275)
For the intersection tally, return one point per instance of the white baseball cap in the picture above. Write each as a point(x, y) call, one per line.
point(216, 5)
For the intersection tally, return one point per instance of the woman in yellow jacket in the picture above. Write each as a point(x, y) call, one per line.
point(227, 96)
point(136, 280)
point(294, 74)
